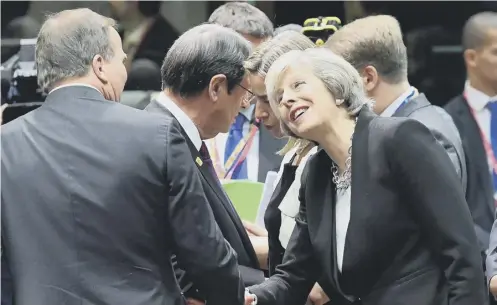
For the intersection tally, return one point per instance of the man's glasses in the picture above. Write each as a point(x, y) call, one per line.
point(249, 96)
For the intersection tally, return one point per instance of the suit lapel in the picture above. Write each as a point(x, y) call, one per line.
point(473, 141)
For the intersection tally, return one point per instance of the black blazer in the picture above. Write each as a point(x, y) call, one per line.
point(480, 191)
point(410, 239)
point(227, 219)
point(96, 196)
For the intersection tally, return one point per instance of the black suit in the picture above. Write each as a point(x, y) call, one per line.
point(96, 196)
point(480, 191)
point(410, 239)
point(227, 219)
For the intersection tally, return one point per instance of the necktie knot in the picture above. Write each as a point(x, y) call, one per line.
point(492, 106)
point(239, 121)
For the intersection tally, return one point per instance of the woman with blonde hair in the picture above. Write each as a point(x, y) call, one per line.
point(280, 214)
point(383, 218)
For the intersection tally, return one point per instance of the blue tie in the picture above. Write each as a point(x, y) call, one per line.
point(234, 137)
point(492, 105)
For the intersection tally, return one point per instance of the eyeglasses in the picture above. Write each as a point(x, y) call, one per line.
point(249, 96)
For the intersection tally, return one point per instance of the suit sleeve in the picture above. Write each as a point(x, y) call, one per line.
point(431, 186)
point(200, 248)
point(491, 260)
point(294, 278)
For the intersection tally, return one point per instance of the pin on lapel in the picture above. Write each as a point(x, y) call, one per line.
point(199, 161)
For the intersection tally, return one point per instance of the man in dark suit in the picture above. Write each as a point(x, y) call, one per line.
point(204, 85)
point(474, 115)
point(256, 27)
point(97, 196)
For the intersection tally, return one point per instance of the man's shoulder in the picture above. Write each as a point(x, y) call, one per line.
point(454, 104)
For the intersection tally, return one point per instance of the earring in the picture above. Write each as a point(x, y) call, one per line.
point(340, 102)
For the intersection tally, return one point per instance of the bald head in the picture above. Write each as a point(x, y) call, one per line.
point(373, 41)
point(475, 30)
point(67, 43)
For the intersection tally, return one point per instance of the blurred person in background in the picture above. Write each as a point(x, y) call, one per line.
point(475, 115)
point(288, 27)
point(204, 85)
point(146, 36)
point(258, 156)
point(96, 196)
point(383, 219)
point(283, 207)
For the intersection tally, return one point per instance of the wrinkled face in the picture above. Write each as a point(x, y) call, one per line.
point(304, 103)
point(263, 111)
point(225, 106)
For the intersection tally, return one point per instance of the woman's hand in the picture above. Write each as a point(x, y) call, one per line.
point(253, 229)
point(261, 247)
point(317, 295)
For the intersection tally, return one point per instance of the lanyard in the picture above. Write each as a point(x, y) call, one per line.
point(486, 144)
point(413, 94)
point(239, 154)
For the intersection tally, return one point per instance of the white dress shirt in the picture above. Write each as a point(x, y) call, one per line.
point(253, 154)
point(290, 204)
point(342, 219)
point(73, 85)
point(184, 120)
point(390, 110)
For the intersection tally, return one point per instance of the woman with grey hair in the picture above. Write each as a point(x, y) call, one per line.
point(382, 213)
point(283, 207)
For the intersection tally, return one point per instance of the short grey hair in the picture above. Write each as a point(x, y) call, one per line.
point(269, 51)
point(373, 41)
point(288, 27)
point(243, 18)
point(340, 78)
point(67, 43)
point(474, 32)
point(201, 53)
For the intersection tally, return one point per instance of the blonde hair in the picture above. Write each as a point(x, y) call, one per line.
point(340, 78)
point(266, 54)
point(375, 41)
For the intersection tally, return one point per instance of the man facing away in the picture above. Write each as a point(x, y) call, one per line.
point(374, 46)
point(96, 196)
point(227, 149)
point(204, 85)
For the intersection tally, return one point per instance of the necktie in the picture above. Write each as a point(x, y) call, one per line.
point(235, 136)
point(492, 105)
point(206, 158)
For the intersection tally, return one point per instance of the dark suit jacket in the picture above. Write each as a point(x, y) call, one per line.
point(410, 238)
point(442, 127)
point(479, 194)
point(96, 196)
point(227, 219)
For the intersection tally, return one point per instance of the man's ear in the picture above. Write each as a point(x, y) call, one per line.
point(470, 58)
point(98, 66)
point(370, 78)
point(217, 84)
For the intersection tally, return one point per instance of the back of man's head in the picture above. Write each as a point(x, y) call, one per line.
point(67, 44)
point(245, 19)
point(373, 41)
point(201, 53)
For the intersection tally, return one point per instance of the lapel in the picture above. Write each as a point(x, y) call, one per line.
point(214, 184)
point(473, 143)
point(326, 242)
point(414, 104)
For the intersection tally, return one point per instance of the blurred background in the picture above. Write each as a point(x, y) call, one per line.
point(432, 33)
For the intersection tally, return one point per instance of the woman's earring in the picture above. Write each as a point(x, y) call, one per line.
point(339, 102)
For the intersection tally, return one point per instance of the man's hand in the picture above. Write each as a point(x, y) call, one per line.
point(317, 295)
point(249, 298)
point(493, 286)
point(253, 229)
point(261, 247)
point(191, 301)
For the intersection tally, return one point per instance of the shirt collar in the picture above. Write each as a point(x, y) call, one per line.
point(248, 112)
point(73, 85)
point(476, 99)
point(390, 110)
point(183, 119)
